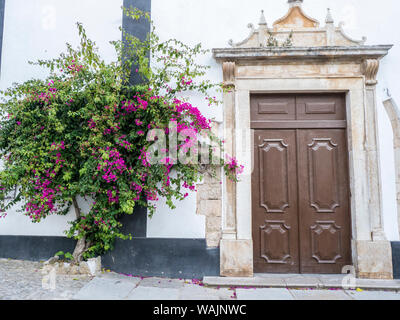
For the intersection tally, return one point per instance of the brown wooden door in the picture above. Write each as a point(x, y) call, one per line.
point(300, 185)
point(323, 189)
point(275, 208)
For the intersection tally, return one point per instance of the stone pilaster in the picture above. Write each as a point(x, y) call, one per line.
point(236, 258)
point(229, 216)
point(374, 258)
point(370, 68)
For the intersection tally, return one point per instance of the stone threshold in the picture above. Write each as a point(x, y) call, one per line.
point(299, 281)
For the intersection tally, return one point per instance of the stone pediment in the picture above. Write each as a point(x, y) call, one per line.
point(296, 29)
point(295, 19)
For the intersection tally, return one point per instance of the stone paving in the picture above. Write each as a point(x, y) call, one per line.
point(22, 280)
point(112, 286)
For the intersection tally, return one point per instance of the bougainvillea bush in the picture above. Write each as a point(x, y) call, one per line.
point(86, 132)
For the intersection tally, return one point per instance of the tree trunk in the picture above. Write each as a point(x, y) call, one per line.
point(81, 244)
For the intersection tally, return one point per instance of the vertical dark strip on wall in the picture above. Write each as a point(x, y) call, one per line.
point(138, 28)
point(396, 259)
point(136, 224)
point(2, 8)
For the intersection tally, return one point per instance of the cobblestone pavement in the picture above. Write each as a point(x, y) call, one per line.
point(22, 280)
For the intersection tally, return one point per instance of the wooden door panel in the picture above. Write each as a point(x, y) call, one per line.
point(274, 193)
point(324, 212)
point(320, 107)
point(323, 175)
point(274, 166)
point(272, 107)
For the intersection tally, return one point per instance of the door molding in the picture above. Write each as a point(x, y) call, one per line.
point(319, 59)
point(365, 248)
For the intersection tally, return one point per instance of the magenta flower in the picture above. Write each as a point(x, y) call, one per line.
point(92, 124)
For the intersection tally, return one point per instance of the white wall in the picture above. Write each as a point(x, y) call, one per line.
point(17, 224)
point(183, 222)
point(38, 29)
point(214, 22)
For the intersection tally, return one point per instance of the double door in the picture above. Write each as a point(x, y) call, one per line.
point(300, 184)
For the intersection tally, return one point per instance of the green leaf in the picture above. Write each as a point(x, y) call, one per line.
point(68, 256)
point(67, 176)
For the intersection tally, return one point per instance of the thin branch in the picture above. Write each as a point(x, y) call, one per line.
point(77, 209)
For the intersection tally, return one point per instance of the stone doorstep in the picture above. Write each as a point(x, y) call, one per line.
point(300, 282)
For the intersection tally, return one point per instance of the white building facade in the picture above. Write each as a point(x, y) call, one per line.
point(212, 232)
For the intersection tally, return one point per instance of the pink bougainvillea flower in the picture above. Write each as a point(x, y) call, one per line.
point(92, 124)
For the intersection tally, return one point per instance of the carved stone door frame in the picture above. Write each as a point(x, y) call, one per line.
point(350, 69)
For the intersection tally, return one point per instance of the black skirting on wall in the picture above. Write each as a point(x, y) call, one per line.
point(33, 248)
point(174, 258)
point(396, 259)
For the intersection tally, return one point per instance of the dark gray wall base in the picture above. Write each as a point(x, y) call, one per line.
point(173, 258)
point(396, 259)
point(33, 248)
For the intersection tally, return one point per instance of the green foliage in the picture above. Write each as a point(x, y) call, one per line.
point(59, 253)
point(82, 131)
point(66, 255)
point(273, 42)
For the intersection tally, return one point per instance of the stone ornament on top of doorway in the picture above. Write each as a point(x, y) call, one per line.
point(303, 31)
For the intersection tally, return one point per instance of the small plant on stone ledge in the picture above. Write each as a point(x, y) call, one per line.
point(273, 42)
point(67, 256)
point(85, 133)
point(289, 41)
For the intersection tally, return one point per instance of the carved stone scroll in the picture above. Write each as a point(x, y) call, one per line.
point(370, 70)
point(228, 69)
